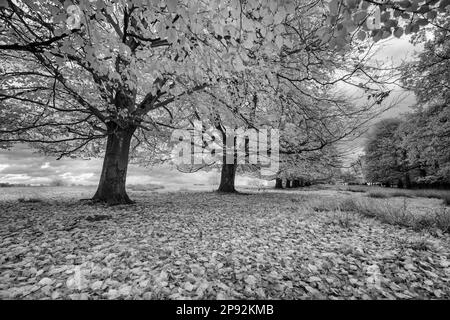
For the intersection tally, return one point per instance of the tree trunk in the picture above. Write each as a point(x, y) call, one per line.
point(288, 184)
point(407, 181)
point(227, 178)
point(111, 188)
point(278, 183)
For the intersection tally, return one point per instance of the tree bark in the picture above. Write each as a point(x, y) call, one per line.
point(278, 183)
point(111, 188)
point(227, 178)
point(407, 181)
point(288, 184)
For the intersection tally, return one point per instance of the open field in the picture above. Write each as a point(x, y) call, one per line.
point(310, 243)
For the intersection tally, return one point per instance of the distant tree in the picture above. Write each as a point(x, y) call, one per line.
point(355, 172)
point(385, 158)
point(426, 138)
point(309, 167)
point(415, 151)
point(426, 131)
point(58, 182)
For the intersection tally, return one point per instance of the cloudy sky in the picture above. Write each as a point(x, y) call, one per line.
point(21, 165)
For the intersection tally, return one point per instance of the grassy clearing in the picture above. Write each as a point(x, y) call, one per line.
point(385, 193)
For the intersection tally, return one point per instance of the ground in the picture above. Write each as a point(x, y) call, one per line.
point(204, 245)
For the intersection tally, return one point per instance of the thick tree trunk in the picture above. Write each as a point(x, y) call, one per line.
point(295, 184)
point(227, 178)
point(278, 183)
point(111, 188)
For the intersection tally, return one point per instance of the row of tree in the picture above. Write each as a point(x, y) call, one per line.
point(412, 152)
point(77, 73)
point(415, 151)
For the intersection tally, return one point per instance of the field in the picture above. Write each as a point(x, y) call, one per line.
point(321, 242)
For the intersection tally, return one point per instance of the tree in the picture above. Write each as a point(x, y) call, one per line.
point(78, 74)
point(306, 168)
point(426, 138)
point(278, 183)
point(385, 159)
point(413, 152)
point(355, 174)
point(426, 130)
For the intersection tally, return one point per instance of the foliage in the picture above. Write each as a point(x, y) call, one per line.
point(384, 160)
point(416, 150)
point(429, 75)
point(425, 136)
point(381, 19)
point(311, 166)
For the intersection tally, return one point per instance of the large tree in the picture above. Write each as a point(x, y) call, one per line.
point(74, 74)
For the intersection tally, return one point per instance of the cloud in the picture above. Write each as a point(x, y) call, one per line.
point(23, 165)
point(45, 165)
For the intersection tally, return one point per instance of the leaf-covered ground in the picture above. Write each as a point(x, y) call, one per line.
point(211, 246)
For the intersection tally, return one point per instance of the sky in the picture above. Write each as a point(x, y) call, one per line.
point(21, 165)
point(398, 50)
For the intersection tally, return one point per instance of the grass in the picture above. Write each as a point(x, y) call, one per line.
point(399, 215)
point(384, 193)
point(361, 189)
point(145, 187)
point(378, 195)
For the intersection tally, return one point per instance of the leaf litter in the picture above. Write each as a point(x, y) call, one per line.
point(212, 246)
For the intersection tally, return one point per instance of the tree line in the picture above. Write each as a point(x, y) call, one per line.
point(415, 151)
